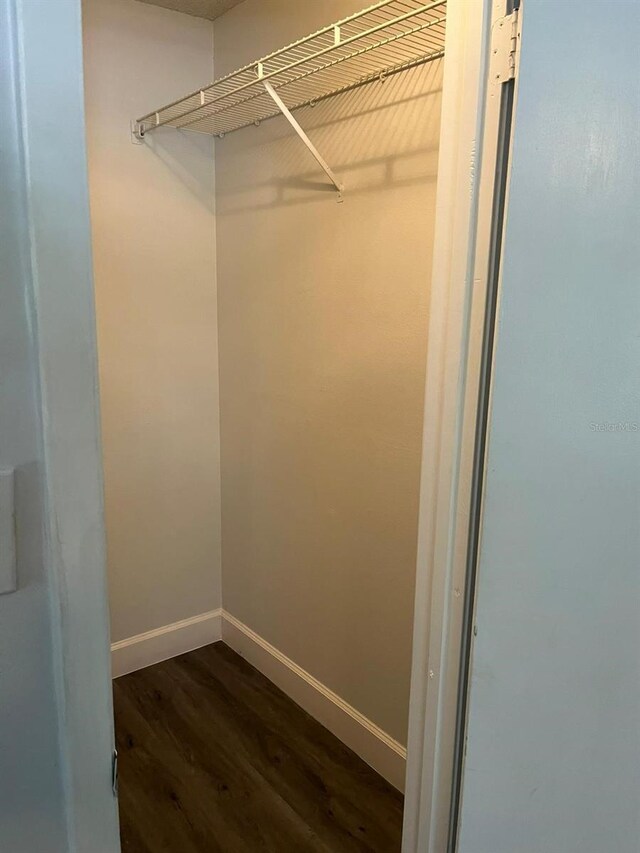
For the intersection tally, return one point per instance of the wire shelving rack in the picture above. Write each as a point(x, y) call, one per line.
point(386, 38)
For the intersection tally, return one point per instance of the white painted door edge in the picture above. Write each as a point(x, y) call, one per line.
point(464, 205)
point(61, 303)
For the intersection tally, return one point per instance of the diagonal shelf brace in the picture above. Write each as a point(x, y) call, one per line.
point(303, 136)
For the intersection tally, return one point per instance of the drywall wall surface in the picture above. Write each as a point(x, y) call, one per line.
point(553, 749)
point(323, 313)
point(32, 807)
point(153, 241)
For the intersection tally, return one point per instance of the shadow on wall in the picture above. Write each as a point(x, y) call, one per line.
point(373, 138)
point(188, 157)
point(377, 137)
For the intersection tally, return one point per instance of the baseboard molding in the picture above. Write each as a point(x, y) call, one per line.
point(366, 739)
point(166, 642)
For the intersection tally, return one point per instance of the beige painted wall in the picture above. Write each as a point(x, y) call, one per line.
point(322, 323)
point(152, 210)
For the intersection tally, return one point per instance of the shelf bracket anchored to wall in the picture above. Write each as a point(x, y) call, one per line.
point(286, 112)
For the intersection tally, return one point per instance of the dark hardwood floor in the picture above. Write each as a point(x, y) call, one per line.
point(214, 757)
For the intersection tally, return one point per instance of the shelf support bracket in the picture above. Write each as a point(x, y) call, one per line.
point(286, 112)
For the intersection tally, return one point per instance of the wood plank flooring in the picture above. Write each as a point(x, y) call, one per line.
point(213, 757)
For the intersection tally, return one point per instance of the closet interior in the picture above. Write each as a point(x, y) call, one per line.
point(262, 262)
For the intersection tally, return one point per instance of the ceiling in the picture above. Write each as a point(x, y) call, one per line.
point(202, 8)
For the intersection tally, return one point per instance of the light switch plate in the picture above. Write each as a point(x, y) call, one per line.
point(8, 576)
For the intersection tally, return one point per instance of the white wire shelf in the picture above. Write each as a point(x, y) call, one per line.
point(386, 38)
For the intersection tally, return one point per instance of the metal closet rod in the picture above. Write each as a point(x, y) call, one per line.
point(209, 111)
point(395, 35)
point(375, 76)
point(325, 30)
point(253, 74)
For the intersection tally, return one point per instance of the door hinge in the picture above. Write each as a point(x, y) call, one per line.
point(505, 47)
point(114, 773)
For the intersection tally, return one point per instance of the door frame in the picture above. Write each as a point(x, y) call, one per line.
point(452, 476)
point(60, 297)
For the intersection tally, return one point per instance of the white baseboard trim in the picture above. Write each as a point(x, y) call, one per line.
point(165, 642)
point(365, 738)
